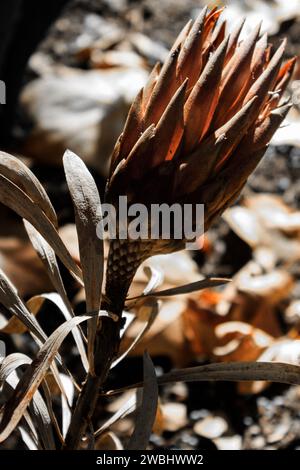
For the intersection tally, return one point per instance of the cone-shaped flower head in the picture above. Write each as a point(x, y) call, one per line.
point(199, 127)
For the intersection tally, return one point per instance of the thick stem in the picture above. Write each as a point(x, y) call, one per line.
point(106, 348)
point(120, 272)
point(83, 412)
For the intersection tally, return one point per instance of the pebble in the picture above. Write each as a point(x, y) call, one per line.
point(195, 415)
point(174, 415)
point(211, 427)
point(280, 431)
point(258, 442)
point(229, 443)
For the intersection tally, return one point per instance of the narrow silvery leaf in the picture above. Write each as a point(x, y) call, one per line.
point(87, 208)
point(147, 412)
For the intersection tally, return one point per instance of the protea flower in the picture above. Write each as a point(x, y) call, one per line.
point(196, 131)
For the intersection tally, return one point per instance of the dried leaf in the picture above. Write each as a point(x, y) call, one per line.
point(17, 200)
point(35, 304)
point(33, 376)
point(187, 288)
point(128, 407)
point(66, 411)
point(236, 371)
point(108, 441)
point(10, 299)
point(39, 408)
point(87, 208)
point(149, 322)
point(17, 172)
point(27, 439)
point(147, 412)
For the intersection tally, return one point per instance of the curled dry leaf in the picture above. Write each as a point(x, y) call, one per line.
point(199, 324)
point(267, 222)
point(173, 267)
point(284, 351)
point(273, 286)
point(273, 212)
point(245, 224)
point(238, 341)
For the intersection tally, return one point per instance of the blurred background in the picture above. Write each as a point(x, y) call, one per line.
point(71, 69)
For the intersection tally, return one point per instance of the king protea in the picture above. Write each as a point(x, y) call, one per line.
point(196, 130)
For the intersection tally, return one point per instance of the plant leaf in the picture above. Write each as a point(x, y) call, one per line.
point(39, 408)
point(236, 371)
point(47, 255)
point(35, 304)
point(13, 197)
point(34, 374)
point(12, 302)
point(17, 172)
point(87, 208)
point(27, 439)
point(152, 316)
point(147, 412)
point(186, 288)
point(66, 412)
point(128, 407)
point(231, 371)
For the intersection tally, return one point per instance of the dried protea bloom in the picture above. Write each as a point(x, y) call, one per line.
point(196, 131)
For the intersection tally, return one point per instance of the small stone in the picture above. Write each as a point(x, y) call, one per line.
point(254, 430)
point(248, 421)
point(211, 427)
point(195, 415)
point(258, 442)
point(279, 433)
point(179, 391)
point(229, 443)
point(174, 415)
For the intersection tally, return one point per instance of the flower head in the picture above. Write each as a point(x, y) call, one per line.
point(202, 123)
